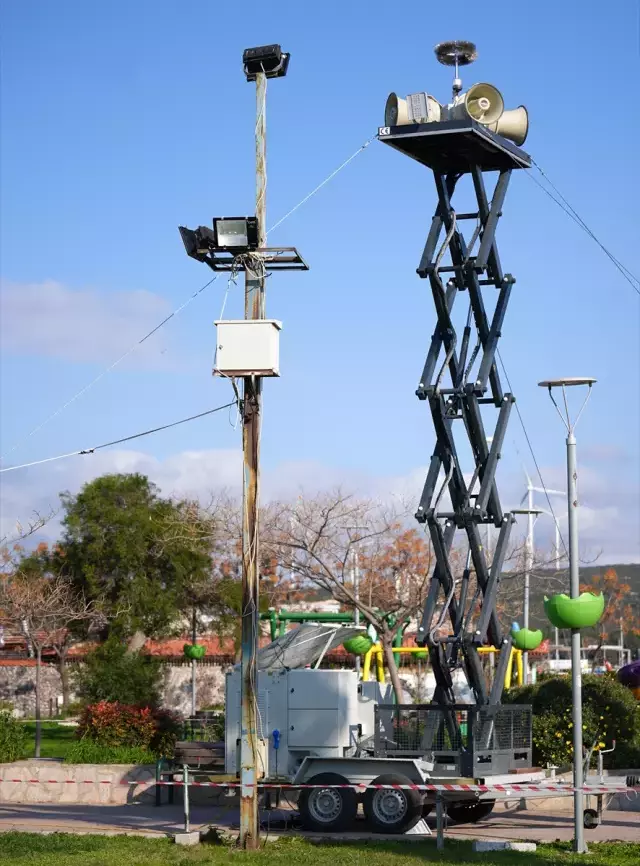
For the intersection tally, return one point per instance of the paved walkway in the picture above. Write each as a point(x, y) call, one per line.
point(145, 820)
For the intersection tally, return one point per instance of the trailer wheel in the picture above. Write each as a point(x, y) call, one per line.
point(470, 811)
point(327, 809)
point(590, 819)
point(392, 810)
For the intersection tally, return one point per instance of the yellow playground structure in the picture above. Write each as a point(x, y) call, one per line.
point(377, 651)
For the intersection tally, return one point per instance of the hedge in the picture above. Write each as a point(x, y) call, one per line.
point(610, 712)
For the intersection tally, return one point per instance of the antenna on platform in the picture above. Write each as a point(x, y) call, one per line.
point(457, 53)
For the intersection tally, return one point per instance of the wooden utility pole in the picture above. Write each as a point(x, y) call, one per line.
point(251, 255)
point(267, 61)
point(254, 308)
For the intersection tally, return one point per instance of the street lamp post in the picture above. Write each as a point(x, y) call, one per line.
point(576, 672)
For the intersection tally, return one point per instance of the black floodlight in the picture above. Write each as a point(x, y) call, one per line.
point(235, 234)
point(270, 59)
point(197, 242)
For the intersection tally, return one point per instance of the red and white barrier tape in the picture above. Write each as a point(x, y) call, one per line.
point(482, 789)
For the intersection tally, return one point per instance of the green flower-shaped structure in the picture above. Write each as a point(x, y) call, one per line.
point(194, 651)
point(358, 645)
point(527, 639)
point(582, 612)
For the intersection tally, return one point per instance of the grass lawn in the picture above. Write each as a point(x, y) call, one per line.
point(18, 849)
point(56, 739)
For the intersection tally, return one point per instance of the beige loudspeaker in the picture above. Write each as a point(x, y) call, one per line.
point(396, 111)
point(484, 103)
point(513, 124)
point(416, 108)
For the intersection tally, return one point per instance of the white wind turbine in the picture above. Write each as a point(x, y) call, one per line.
point(529, 551)
point(533, 512)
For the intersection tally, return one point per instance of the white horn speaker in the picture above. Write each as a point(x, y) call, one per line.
point(484, 103)
point(513, 124)
point(396, 111)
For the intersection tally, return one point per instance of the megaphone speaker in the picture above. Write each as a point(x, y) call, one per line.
point(396, 111)
point(484, 103)
point(513, 124)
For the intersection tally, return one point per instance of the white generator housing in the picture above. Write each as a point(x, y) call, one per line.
point(321, 713)
point(248, 347)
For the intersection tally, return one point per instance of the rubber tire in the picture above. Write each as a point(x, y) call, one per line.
point(412, 814)
point(469, 811)
point(427, 809)
point(590, 819)
point(348, 811)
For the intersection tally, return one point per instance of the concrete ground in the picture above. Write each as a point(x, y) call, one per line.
point(145, 820)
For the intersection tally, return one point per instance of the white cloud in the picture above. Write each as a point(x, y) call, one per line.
point(609, 516)
point(49, 320)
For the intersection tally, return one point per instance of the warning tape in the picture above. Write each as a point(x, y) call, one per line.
point(482, 789)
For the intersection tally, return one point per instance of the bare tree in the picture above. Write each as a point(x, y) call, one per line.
point(317, 539)
point(34, 525)
point(544, 579)
point(217, 526)
point(46, 609)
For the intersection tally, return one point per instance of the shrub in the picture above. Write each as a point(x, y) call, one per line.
point(74, 709)
point(112, 724)
point(167, 731)
point(113, 674)
point(13, 738)
point(89, 752)
point(625, 757)
point(609, 711)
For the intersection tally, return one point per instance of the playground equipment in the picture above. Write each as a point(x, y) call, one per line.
point(629, 676)
point(279, 619)
point(376, 652)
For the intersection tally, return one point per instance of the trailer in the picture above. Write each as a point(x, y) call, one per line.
point(344, 743)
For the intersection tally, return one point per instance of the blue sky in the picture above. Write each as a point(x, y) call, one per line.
point(122, 120)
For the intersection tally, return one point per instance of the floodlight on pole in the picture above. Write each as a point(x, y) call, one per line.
point(574, 572)
point(231, 243)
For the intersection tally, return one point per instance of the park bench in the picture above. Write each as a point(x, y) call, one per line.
point(192, 759)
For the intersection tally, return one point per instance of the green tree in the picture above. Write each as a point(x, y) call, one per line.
point(111, 673)
point(115, 549)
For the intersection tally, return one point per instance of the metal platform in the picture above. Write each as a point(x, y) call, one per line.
point(273, 258)
point(455, 146)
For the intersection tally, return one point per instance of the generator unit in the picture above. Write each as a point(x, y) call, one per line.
point(303, 713)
